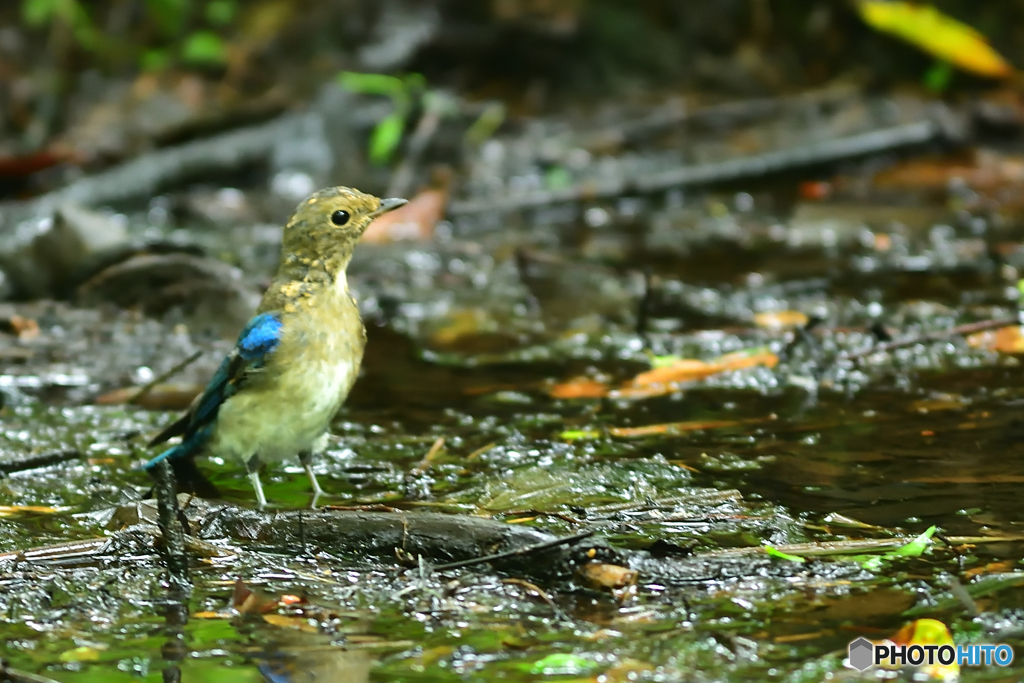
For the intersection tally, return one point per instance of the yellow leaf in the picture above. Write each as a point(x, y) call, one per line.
point(780, 320)
point(81, 654)
point(283, 621)
point(936, 34)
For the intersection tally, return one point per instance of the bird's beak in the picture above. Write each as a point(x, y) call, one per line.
point(388, 205)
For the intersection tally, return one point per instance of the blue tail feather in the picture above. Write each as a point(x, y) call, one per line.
point(189, 446)
point(175, 452)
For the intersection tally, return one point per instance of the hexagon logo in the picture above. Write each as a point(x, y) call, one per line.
point(862, 654)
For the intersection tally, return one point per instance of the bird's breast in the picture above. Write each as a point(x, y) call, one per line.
point(289, 405)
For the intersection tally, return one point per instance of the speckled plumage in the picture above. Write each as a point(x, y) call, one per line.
point(295, 363)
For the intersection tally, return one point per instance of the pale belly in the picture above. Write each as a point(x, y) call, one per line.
point(286, 416)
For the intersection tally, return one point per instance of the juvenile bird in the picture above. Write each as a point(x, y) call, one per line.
point(293, 365)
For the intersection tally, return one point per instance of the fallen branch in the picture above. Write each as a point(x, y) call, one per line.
point(136, 399)
point(546, 545)
point(35, 462)
point(810, 154)
point(969, 328)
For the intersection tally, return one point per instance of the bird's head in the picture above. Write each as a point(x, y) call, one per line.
point(326, 226)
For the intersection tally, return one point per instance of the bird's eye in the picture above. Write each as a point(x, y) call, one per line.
point(340, 217)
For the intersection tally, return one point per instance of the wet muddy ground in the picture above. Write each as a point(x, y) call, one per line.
point(518, 341)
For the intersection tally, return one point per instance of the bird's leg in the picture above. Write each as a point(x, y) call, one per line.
point(306, 458)
point(253, 467)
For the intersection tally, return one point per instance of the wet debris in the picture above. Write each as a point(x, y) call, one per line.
point(201, 290)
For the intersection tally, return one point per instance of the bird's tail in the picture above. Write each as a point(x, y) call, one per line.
point(185, 448)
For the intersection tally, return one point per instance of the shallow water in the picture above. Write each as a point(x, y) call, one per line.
point(466, 344)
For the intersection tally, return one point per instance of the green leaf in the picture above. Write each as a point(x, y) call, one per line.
point(372, 84)
point(170, 15)
point(557, 178)
point(487, 124)
point(386, 137)
point(573, 434)
point(916, 547)
point(561, 664)
point(938, 77)
point(221, 12)
point(38, 12)
point(775, 552)
point(155, 60)
point(204, 48)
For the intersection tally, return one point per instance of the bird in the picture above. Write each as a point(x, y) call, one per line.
point(294, 363)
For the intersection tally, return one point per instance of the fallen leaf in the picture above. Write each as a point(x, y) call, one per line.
point(1004, 340)
point(414, 221)
point(602, 575)
point(81, 654)
point(661, 380)
point(780, 320)
point(674, 427)
point(776, 553)
point(936, 33)
point(10, 510)
point(928, 632)
point(20, 326)
point(579, 387)
point(298, 623)
point(991, 568)
point(573, 434)
point(246, 601)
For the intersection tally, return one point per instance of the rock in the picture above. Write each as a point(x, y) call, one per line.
point(200, 291)
point(47, 251)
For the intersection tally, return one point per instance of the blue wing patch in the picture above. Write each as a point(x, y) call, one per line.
point(259, 339)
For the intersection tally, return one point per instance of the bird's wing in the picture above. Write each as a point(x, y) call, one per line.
point(255, 344)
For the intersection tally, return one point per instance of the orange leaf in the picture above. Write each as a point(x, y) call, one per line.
point(579, 387)
point(673, 427)
point(936, 33)
point(24, 328)
point(662, 380)
point(1004, 340)
point(780, 320)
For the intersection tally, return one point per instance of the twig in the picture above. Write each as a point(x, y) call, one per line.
point(812, 153)
point(39, 461)
point(646, 303)
point(170, 526)
point(539, 592)
point(401, 181)
point(480, 451)
point(567, 540)
point(676, 113)
point(803, 336)
point(163, 377)
point(961, 594)
point(429, 457)
point(16, 676)
point(148, 174)
point(969, 328)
